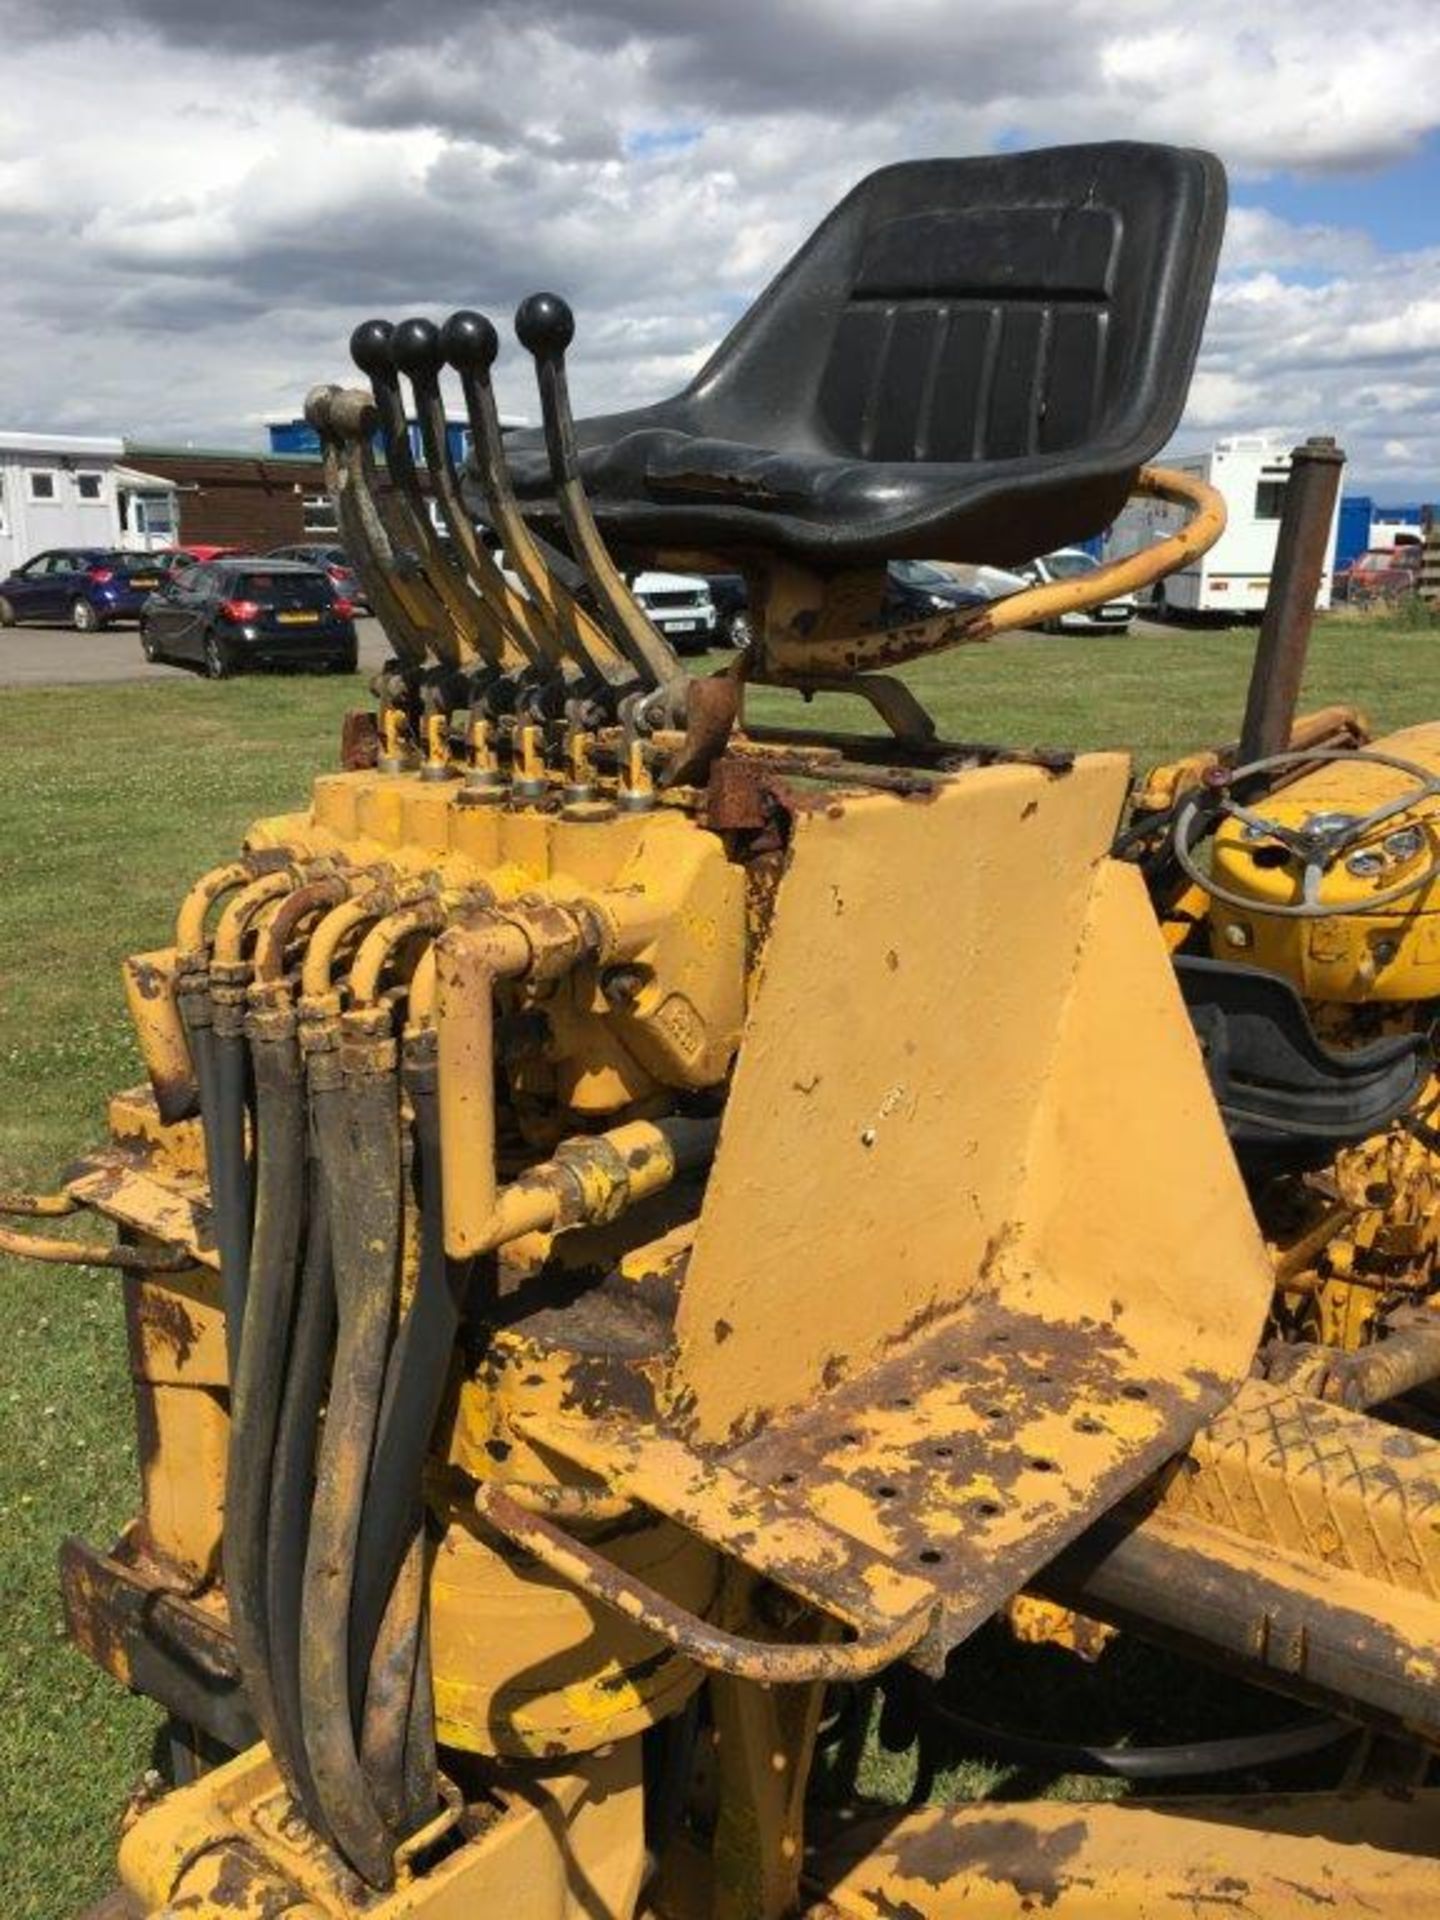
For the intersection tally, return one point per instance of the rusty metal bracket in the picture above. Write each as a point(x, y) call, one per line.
point(771, 1663)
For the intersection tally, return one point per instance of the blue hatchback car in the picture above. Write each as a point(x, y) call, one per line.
point(82, 587)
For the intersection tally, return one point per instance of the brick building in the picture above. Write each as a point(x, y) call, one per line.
point(236, 499)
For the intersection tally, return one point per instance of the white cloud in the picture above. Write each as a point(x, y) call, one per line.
point(198, 204)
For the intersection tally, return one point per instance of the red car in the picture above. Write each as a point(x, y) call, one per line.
point(1384, 573)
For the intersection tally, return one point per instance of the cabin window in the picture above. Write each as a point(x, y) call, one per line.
point(88, 486)
point(1270, 499)
point(42, 483)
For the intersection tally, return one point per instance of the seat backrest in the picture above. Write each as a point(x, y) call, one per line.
point(1011, 307)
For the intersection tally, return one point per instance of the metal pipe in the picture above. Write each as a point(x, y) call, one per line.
point(772, 1663)
point(421, 916)
point(91, 1253)
point(1357, 1646)
point(319, 963)
point(190, 921)
point(39, 1206)
point(468, 970)
point(235, 921)
point(1301, 550)
point(278, 931)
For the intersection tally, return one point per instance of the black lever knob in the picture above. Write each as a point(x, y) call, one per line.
point(544, 325)
point(469, 342)
point(415, 349)
point(371, 351)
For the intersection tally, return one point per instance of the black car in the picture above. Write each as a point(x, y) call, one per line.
point(914, 590)
point(241, 613)
point(334, 560)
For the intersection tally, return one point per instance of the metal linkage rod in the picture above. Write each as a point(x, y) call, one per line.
point(415, 621)
point(545, 327)
point(364, 536)
point(469, 343)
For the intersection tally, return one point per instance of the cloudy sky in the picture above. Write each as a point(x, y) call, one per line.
point(199, 198)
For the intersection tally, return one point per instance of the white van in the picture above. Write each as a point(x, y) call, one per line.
point(1233, 578)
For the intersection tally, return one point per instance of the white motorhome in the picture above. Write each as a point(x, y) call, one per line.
point(73, 490)
point(1233, 578)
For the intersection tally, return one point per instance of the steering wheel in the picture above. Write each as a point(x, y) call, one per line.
point(1318, 846)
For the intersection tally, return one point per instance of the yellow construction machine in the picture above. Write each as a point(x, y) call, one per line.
point(651, 1237)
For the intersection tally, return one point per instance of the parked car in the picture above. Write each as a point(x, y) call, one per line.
point(914, 590)
point(681, 607)
point(919, 589)
point(195, 555)
point(250, 612)
point(336, 562)
point(732, 608)
point(1382, 573)
point(1073, 563)
point(83, 587)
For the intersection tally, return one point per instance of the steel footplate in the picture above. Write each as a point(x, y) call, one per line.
point(950, 1473)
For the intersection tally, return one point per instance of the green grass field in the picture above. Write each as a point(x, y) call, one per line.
point(111, 800)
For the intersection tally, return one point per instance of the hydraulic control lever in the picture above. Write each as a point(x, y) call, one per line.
point(519, 633)
point(477, 625)
point(469, 343)
point(344, 420)
point(545, 327)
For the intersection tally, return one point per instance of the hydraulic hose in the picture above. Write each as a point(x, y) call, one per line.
point(292, 1481)
point(416, 1378)
point(258, 1383)
point(398, 1684)
point(358, 1138)
point(1190, 1760)
point(197, 1017)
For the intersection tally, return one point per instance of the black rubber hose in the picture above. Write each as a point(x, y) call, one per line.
point(1190, 1760)
point(358, 1136)
point(416, 1380)
point(230, 1190)
point(259, 1379)
point(391, 1693)
point(196, 1016)
point(292, 1482)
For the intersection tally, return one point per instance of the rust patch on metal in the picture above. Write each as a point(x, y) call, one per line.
point(359, 741)
point(1008, 1852)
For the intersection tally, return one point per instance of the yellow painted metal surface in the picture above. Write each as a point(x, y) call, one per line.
point(562, 1846)
point(940, 1098)
point(528, 1667)
point(1268, 1858)
point(1347, 1490)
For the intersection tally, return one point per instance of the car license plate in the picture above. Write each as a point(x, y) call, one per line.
point(144, 580)
point(297, 619)
point(680, 626)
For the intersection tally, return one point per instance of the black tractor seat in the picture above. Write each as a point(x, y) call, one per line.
point(969, 360)
point(1288, 1100)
